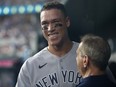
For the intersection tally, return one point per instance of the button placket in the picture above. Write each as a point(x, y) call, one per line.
point(61, 65)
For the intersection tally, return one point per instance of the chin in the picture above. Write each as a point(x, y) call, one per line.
point(54, 43)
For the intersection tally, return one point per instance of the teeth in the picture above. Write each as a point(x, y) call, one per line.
point(53, 35)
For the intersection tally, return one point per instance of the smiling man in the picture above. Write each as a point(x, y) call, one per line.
point(55, 65)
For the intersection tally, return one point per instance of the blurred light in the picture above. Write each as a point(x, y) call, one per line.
point(37, 8)
point(10, 10)
point(0, 10)
point(6, 10)
point(21, 9)
point(6, 63)
point(13, 10)
point(30, 8)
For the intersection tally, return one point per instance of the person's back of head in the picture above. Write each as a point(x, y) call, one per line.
point(97, 49)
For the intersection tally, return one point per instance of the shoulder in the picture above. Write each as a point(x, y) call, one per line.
point(75, 44)
point(37, 58)
point(40, 54)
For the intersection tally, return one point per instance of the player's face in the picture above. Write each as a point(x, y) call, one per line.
point(54, 26)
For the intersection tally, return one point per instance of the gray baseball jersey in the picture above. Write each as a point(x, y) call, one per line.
point(48, 70)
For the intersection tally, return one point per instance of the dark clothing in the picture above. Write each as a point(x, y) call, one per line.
point(96, 81)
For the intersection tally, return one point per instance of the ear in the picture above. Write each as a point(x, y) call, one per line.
point(85, 61)
point(67, 21)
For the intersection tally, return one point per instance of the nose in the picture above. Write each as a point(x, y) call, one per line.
point(51, 27)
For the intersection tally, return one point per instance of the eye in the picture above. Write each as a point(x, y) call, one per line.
point(58, 25)
point(44, 27)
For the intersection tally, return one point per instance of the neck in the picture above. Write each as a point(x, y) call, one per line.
point(93, 72)
point(62, 49)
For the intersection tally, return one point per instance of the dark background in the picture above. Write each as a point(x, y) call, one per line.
point(92, 16)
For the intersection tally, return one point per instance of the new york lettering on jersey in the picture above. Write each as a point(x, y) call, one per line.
point(52, 79)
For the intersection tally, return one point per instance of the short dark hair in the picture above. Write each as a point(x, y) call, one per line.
point(97, 49)
point(54, 5)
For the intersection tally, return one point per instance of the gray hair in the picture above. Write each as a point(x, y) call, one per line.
point(97, 49)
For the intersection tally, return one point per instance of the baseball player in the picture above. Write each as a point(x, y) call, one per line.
point(55, 65)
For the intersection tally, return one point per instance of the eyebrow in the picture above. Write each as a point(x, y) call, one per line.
point(52, 21)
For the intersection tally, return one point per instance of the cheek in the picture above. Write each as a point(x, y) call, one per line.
point(78, 62)
point(45, 35)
